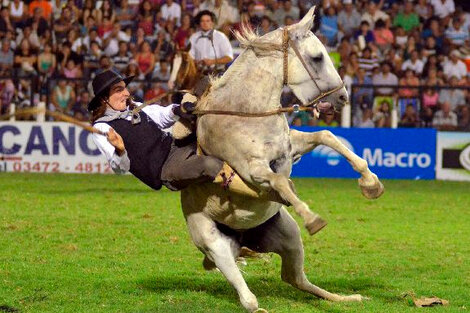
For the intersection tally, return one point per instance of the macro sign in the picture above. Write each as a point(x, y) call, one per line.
point(49, 148)
point(391, 153)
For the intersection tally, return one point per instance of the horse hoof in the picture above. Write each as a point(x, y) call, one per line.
point(260, 311)
point(315, 225)
point(356, 298)
point(371, 190)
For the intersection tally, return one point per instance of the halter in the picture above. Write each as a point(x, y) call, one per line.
point(286, 41)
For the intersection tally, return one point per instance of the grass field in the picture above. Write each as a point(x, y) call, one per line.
point(81, 243)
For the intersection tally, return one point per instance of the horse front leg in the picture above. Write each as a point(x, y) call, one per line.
point(303, 142)
point(262, 173)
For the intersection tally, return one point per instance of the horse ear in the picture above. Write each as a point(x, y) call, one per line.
point(305, 25)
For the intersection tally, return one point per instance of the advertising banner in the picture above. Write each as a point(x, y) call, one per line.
point(391, 153)
point(453, 156)
point(49, 147)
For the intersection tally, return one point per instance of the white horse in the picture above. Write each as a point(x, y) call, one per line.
point(262, 150)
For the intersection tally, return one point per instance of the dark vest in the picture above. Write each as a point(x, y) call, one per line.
point(147, 147)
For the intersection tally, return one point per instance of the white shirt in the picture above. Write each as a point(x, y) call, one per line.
point(417, 67)
point(162, 116)
point(458, 69)
point(201, 46)
point(443, 9)
point(171, 12)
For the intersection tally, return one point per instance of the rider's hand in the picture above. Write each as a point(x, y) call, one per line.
point(184, 111)
point(208, 62)
point(116, 140)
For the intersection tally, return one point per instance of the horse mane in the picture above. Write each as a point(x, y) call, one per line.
point(261, 45)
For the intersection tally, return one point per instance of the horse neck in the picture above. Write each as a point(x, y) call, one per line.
point(251, 84)
point(192, 75)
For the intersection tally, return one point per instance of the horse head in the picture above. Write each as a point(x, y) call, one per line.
point(184, 73)
point(311, 73)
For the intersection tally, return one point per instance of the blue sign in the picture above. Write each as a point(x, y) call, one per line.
point(401, 153)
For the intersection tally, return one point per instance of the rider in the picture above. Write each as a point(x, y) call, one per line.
point(209, 47)
point(141, 146)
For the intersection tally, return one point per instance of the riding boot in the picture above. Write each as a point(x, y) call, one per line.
point(231, 181)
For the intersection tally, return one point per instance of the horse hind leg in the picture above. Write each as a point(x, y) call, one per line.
point(302, 143)
point(219, 251)
point(281, 235)
point(262, 173)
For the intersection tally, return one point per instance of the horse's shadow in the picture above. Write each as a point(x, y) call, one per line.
point(261, 287)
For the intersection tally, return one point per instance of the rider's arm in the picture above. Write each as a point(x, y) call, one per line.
point(120, 164)
point(162, 116)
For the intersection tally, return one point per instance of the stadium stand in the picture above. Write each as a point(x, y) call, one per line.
point(412, 56)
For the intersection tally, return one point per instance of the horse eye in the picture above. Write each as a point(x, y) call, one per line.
point(318, 58)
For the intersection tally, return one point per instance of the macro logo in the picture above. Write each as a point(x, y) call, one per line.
point(456, 158)
point(332, 157)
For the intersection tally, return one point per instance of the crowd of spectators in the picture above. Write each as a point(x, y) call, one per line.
point(51, 49)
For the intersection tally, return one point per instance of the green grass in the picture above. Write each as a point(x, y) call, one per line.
point(89, 243)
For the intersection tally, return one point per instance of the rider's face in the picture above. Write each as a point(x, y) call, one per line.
point(118, 95)
point(206, 23)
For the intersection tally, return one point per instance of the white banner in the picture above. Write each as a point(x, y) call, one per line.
point(49, 147)
point(453, 156)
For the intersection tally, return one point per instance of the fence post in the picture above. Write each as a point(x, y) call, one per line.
point(346, 116)
point(41, 116)
point(394, 115)
point(12, 112)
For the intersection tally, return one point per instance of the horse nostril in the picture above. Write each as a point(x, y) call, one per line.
point(343, 98)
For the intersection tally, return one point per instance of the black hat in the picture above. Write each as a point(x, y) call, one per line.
point(102, 81)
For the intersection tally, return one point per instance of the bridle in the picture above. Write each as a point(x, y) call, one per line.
point(286, 42)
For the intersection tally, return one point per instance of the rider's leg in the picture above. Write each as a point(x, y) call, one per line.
point(184, 167)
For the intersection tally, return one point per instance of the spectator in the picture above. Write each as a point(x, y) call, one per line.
point(456, 34)
point(423, 9)
point(89, 11)
point(409, 119)
point(368, 62)
point(413, 63)
point(25, 59)
point(37, 22)
point(106, 13)
point(171, 11)
point(135, 87)
point(383, 36)
point(5, 22)
point(409, 80)
point(72, 70)
point(443, 9)
point(362, 94)
point(430, 47)
point(226, 14)
point(6, 58)
point(366, 119)
point(464, 120)
point(79, 108)
point(266, 25)
point(364, 35)
point(111, 40)
point(407, 19)
point(47, 61)
point(329, 26)
point(63, 25)
point(63, 97)
point(385, 77)
point(348, 19)
point(426, 116)
point(145, 18)
point(184, 32)
point(44, 5)
point(455, 67)
point(92, 36)
point(125, 14)
point(164, 48)
point(373, 14)
point(327, 120)
point(163, 71)
point(7, 92)
point(445, 118)
point(91, 60)
point(145, 60)
point(430, 98)
point(454, 97)
point(122, 58)
point(382, 116)
point(18, 13)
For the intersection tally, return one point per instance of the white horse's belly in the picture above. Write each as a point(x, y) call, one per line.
point(229, 209)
